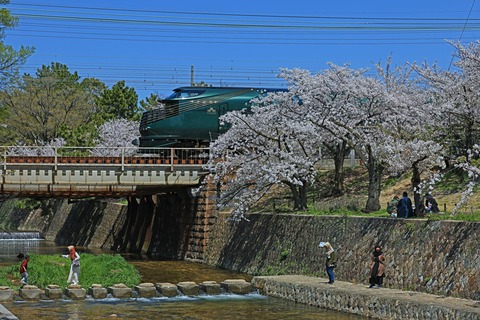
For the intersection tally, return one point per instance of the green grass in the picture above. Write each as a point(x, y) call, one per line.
point(344, 212)
point(53, 269)
point(472, 217)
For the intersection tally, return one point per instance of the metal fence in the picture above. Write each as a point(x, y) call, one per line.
point(34, 155)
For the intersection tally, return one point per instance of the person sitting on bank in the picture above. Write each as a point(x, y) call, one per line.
point(431, 205)
point(404, 206)
point(392, 206)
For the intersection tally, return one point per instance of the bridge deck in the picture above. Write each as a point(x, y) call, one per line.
point(113, 176)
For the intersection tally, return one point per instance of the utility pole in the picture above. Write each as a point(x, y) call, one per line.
point(191, 75)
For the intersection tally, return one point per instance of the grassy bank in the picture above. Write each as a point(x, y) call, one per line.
point(53, 269)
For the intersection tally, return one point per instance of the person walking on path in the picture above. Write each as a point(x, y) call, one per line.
point(23, 267)
point(75, 266)
point(404, 207)
point(330, 261)
point(377, 267)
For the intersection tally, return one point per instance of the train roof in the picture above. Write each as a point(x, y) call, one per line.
point(229, 88)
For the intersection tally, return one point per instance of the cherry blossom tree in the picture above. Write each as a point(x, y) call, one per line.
point(44, 149)
point(391, 120)
point(455, 95)
point(263, 149)
point(115, 136)
point(367, 113)
point(456, 99)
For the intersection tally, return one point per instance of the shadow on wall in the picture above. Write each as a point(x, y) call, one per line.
point(156, 225)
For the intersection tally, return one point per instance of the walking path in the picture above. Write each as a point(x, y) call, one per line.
point(5, 314)
point(361, 300)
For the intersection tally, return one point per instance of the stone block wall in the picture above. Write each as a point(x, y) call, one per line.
point(441, 257)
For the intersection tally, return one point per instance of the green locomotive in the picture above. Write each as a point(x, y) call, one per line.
point(190, 116)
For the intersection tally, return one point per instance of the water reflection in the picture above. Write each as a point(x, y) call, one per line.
point(208, 307)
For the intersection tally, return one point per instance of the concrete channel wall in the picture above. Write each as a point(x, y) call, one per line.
point(372, 303)
point(437, 257)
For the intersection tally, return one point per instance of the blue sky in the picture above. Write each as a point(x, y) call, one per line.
point(152, 45)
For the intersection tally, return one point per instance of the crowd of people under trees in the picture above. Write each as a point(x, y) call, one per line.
point(404, 208)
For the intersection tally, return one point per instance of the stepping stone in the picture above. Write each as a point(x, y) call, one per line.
point(6, 293)
point(97, 291)
point(120, 291)
point(30, 293)
point(210, 287)
point(52, 291)
point(166, 289)
point(188, 288)
point(237, 286)
point(75, 292)
point(146, 290)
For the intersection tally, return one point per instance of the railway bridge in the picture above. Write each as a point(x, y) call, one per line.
point(74, 172)
point(162, 218)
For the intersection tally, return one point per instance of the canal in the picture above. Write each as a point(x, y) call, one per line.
point(252, 306)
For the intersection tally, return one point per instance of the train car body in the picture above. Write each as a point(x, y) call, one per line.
point(190, 116)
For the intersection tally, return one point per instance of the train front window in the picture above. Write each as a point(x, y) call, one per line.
point(185, 93)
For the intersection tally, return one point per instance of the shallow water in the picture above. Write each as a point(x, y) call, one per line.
point(234, 307)
point(178, 271)
point(253, 306)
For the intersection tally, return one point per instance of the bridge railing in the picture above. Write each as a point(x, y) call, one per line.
point(124, 156)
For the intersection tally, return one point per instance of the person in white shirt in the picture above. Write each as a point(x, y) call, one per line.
point(75, 266)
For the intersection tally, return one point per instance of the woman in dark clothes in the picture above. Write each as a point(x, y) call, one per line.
point(377, 267)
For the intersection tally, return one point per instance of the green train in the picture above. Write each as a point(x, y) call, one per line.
point(190, 116)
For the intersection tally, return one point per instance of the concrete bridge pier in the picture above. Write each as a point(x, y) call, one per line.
point(168, 225)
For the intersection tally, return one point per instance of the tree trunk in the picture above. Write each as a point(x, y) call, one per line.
point(375, 171)
point(416, 180)
point(339, 175)
point(299, 194)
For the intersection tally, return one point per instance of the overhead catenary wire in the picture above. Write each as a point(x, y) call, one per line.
point(97, 23)
point(463, 30)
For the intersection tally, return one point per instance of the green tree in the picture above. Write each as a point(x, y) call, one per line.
point(47, 104)
point(10, 62)
point(151, 102)
point(118, 102)
point(10, 59)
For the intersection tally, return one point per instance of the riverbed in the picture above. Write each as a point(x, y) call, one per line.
point(252, 306)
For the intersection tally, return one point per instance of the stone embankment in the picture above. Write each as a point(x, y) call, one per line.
point(360, 300)
point(437, 257)
point(121, 291)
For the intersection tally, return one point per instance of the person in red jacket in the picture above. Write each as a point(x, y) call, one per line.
point(24, 267)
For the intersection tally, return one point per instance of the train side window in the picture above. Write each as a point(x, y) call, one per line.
point(186, 93)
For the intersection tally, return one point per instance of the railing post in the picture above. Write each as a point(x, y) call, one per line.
point(55, 149)
point(123, 159)
point(4, 159)
point(172, 152)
